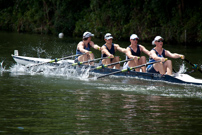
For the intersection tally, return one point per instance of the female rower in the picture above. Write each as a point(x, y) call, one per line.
point(133, 51)
point(84, 47)
point(109, 49)
point(158, 53)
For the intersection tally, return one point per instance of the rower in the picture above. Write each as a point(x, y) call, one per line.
point(133, 51)
point(109, 49)
point(158, 53)
point(84, 47)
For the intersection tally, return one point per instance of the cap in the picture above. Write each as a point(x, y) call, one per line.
point(87, 34)
point(156, 39)
point(108, 36)
point(134, 36)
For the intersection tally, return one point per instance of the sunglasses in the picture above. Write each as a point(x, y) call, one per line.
point(108, 36)
point(159, 41)
point(135, 39)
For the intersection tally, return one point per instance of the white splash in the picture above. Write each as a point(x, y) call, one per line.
point(183, 69)
point(39, 51)
point(2, 68)
point(67, 71)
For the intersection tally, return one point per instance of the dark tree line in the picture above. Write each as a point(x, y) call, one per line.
point(176, 20)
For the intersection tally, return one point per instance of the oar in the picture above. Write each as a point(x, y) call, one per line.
point(128, 69)
point(104, 66)
point(80, 63)
point(55, 60)
point(194, 65)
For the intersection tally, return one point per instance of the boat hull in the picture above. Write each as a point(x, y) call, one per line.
point(154, 76)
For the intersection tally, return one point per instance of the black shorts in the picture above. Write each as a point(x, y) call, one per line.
point(150, 69)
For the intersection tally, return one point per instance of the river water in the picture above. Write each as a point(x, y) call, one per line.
point(56, 103)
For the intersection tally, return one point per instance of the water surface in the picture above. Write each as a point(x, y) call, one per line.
point(71, 104)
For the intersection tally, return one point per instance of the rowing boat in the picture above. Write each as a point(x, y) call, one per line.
point(175, 78)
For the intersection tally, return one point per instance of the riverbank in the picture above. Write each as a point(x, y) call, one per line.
point(176, 21)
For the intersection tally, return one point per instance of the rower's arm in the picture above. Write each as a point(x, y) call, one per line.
point(95, 46)
point(120, 49)
point(81, 48)
point(129, 54)
point(173, 55)
point(145, 50)
point(155, 57)
point(105, 51)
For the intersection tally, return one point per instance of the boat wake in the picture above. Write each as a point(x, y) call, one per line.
point(63, 71)
point(146, 88)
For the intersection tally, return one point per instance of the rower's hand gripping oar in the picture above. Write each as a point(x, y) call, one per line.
point(128, 69)
point(104, 66)
point(55, 60)
point(194, 66)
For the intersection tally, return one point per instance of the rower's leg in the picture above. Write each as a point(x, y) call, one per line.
point(133, 63)
point(91, 58)
point(141, 61)
point(106, 62)
point(168, 67)
point(116, 59)
point(159, 67)
point(84, 57)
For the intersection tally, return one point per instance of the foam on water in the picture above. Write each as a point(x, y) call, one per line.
point(64, 71)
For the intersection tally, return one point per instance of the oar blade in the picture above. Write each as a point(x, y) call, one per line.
point(195, 66)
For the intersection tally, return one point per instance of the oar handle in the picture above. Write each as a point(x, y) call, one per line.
point(70, 56)
point(188, 62)
point(109, 74)
point(104, 66)
point(144, 65)
point(125, 70)
point(95, 60)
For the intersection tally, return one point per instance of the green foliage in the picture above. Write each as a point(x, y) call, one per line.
point(175, 20)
